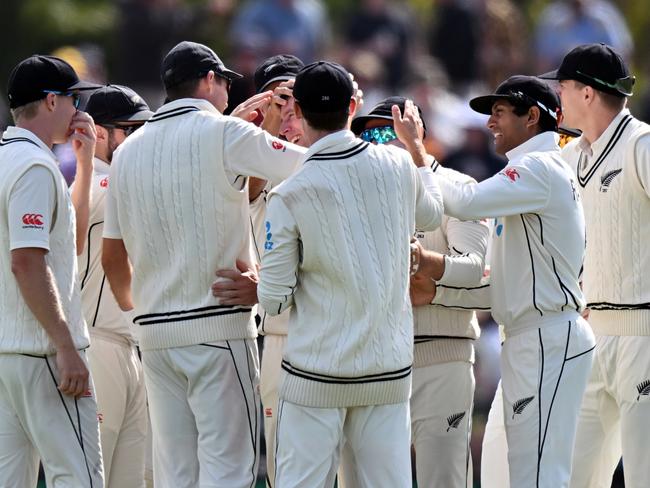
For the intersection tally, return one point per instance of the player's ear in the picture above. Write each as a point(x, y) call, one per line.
point(533, 116)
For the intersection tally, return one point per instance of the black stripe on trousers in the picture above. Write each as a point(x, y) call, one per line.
point(557, 385)
point(248, 410)
point(79, 434)
point(277, 439)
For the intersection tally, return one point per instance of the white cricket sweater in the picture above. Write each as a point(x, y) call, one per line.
point(178, 197)
point(269, 324)
point(444, 334)
point(100, 309)
point(538, 241)
point(20, 331)
point(613, 175)
point(337, 249)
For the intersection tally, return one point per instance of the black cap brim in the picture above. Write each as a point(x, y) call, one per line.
point(552, 75)
point(358, 123)
point(141, 116)
point(483, 105)
point(231, 75)
point(84, 85)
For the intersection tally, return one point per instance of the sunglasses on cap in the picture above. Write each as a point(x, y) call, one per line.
point(379, 135)
point(622, 85)
point(128, 129)
point(76, 98)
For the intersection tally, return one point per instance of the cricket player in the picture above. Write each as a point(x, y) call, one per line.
point(533, 289)
point(177, 207)
point(443, 375)
point(47, 400)
point(611, 162)
point(337, 251)
point(114, 362)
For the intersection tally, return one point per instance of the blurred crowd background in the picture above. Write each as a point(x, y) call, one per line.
point(438, 52)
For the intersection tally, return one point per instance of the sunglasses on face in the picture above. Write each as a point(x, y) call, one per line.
point(76, 98)
point(127, 129)
point(379, 135)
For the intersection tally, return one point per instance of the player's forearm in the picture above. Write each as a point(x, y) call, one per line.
point(115, 261)
point(38, 288)
point(81, 200)
point(255, 188)
point(432, 264)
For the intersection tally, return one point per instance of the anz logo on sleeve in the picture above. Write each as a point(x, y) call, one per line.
point(498, 227)
point(268, 244)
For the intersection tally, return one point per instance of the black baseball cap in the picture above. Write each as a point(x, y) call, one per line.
point(598, 66)
point(323, 87)
point(520, 90)
point(115, 103)
point(281, 67)
point(188, 60)
point(383, 110)
point(33, 77)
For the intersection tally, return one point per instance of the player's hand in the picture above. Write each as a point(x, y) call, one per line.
point(408, 126)
point(73, 373)
point(357, 94)
point(273, 115)
point(239, 286)
point(248, 109)
point(83, 137)
point(416, 253)
point(422, 290)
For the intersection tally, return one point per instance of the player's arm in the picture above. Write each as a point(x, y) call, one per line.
point(642, 160)
point(115, 258)
point(465, 263)
point(278, 277)
point(251, 151)
point(32, 204)
point(517, 189)
point(83, 140)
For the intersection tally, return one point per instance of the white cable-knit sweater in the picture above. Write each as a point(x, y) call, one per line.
point(613, 175)
point(337, 249)
point(178, 198)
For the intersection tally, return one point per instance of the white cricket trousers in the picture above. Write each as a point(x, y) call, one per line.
point(441, 424)
point(615, 415)
point(121, 409)
point(204, 407)
point(269, 383)
point(308, 445)
point(38, 421)
point(544, 374)
point(494, 450)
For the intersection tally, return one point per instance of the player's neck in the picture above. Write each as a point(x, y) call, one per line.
point(37, 127)
point(597, 123)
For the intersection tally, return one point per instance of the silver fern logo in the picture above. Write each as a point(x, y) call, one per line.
point(607, 179)
point(454, 420)
point(519, 405)
point(643, 388)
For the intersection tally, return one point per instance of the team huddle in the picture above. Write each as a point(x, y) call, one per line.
point(132, 301)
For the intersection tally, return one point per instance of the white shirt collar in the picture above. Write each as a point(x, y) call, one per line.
point(331, 140)
point(100, 166)
point(14, 132)
point(546, 141)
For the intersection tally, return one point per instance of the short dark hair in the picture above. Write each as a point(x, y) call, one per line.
point(326, 121)
point(184, 89)
point(546, 122)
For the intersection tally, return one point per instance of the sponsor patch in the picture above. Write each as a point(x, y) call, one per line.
point(511, 173)
point(268, 412)
point(104, 182)
point(32, 221)
point(278, 146)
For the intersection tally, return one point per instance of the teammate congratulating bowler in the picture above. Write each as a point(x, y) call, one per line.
point(537, 253)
